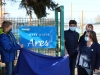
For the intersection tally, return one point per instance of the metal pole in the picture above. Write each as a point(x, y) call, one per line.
point(30, 17)
point(0, 12)
point(39, 22)
point(62, 30)
point(30, 21)
point(56, 24)
point(71, 12)
point(39, 25)
point(4, 11)
point(82, 21)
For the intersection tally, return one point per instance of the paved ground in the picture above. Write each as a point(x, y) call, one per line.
point(97, 73)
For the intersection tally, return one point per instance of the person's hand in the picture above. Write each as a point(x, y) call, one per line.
point(21, 46)
point(67, 55)
point(96, 70)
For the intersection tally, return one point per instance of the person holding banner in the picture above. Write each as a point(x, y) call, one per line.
point(88, 58)
point(71, 43)
point(8, 46)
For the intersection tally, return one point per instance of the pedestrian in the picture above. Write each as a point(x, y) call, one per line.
point(88, 27)
point(8, 46)
point(71, 43)
point(88, 58)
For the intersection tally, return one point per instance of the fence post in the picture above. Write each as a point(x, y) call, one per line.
point(39, 25)
point(61, 10)
point(62, 30)
point(56, 24)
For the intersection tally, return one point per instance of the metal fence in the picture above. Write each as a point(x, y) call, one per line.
point(35, 22)
point(42, 22)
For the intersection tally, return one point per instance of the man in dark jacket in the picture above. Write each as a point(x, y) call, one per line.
point(71, 43)
point(88, 27)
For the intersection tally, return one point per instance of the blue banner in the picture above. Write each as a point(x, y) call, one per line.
point(31, 63)
point(38, 36)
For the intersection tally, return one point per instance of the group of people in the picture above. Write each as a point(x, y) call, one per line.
point(83, 51)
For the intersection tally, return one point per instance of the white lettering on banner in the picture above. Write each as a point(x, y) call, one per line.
point(41, 43)
point(46, 43)
point(31, 42)
point(35, 34)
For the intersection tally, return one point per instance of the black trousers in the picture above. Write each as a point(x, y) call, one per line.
point(83, 71)
point(72, 65)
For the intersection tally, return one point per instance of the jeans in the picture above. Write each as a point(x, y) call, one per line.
point(9, 68)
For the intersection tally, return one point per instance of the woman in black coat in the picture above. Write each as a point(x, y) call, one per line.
point(88, 58)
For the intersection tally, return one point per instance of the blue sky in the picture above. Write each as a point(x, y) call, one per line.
point(91, 9)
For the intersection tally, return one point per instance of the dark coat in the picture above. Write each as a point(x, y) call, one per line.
point(95, 54)
point(71, 40)
point(82, 38)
